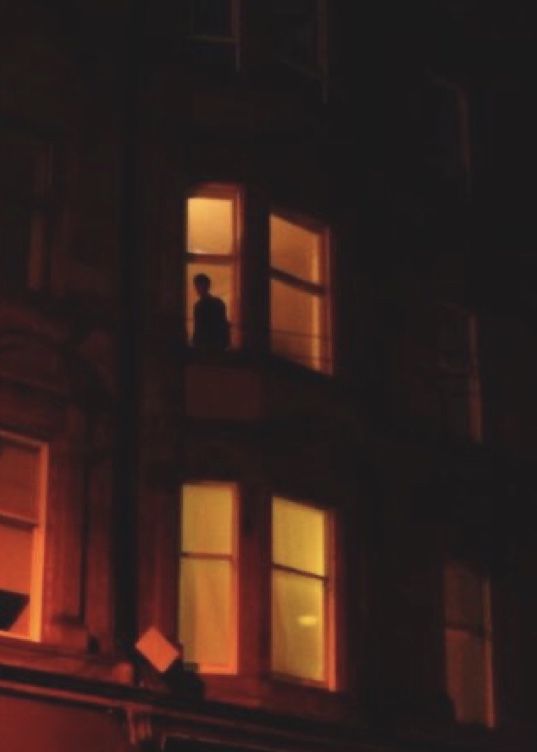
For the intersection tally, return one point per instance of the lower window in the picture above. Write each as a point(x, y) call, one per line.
point(22, 511)
point(207, 623)
point(301, 588)
point(468, 643)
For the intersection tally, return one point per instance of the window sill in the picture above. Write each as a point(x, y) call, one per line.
point(277, 696)
point(25, 653)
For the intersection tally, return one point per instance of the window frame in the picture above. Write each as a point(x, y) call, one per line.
point(318, 71)
point(468, 372)
point(37, 202)
point(323, 289)
point(232, 39)
point(232, 668)
point(482, 633)
point(38, 536)
point(233, 192)
point(329, 595)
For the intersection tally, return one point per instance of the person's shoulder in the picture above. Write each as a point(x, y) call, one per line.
point(217, 302)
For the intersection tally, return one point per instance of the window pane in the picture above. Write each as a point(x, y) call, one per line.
point(210, 225)
point(211, 18)
point(467, 676)
point(296, 325)
point(205, 611)
point(22, 165)
point(207, 519)
point(295, 31)
point(15, 558)
point(298, 626)
point(18, 479)
point(15, 245)
point(298, 536)
point(221, 286)
point(295, 250)
point(464, 601)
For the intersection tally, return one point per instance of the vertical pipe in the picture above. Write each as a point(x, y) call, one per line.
point(129, 335)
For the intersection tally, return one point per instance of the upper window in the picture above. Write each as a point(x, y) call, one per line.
point(22, 509)
point(298, 32)
point(213, 244)
point(213, 31)
point(299, 295)
point(468, 643)
point(23, 210)
point(458, 368)
point(301, 590)
point(207, 624)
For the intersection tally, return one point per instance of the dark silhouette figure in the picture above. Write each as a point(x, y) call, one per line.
point(211, 327)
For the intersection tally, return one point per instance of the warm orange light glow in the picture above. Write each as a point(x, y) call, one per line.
point(210, 224)
point(299, 591)
point(212, 246)
point(468, 644)
point(295, 250)
point(207, 582)
point(22, 497)
point(299, 318)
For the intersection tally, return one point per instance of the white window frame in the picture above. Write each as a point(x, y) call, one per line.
point(233, 192)
point(38, 537)
point(233, 559)
point(321, 289)
point(329, 605)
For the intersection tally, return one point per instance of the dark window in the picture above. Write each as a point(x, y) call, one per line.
point(23, 209)
point(211, 18)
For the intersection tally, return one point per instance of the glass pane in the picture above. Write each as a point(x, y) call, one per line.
point(463, 593)
point(221, 286)
point(298, 536)
point(207, 519)
point(205, 611)
point(18, 479)
point(211, 18)
point(298, 626)
point(15, 245)
point(295, 249)
point(295, 31)
point(466, 675)
point(210, 225)
point(296, 325)
point(15, 558)
point(22, 165)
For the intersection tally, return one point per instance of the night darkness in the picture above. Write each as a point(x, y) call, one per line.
point(268, 425)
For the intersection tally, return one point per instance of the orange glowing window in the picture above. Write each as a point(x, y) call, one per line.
point(212, 248)
point(208, 576)
point(22, 491)
point(299, 299)
point(468, 643)
point(301, 583)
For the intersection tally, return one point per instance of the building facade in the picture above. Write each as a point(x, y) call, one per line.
point(328, 518)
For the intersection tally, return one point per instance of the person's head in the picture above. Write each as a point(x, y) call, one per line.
point(202, 283)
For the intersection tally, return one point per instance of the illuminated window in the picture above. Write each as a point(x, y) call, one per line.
point(300, 592)
point(299, 308)
point(468, 644)
point(213, 242)
point(22, 491)
point(208, 576)
point(24, 212)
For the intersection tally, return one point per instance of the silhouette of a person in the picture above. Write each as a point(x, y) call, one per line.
point(211, 327)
